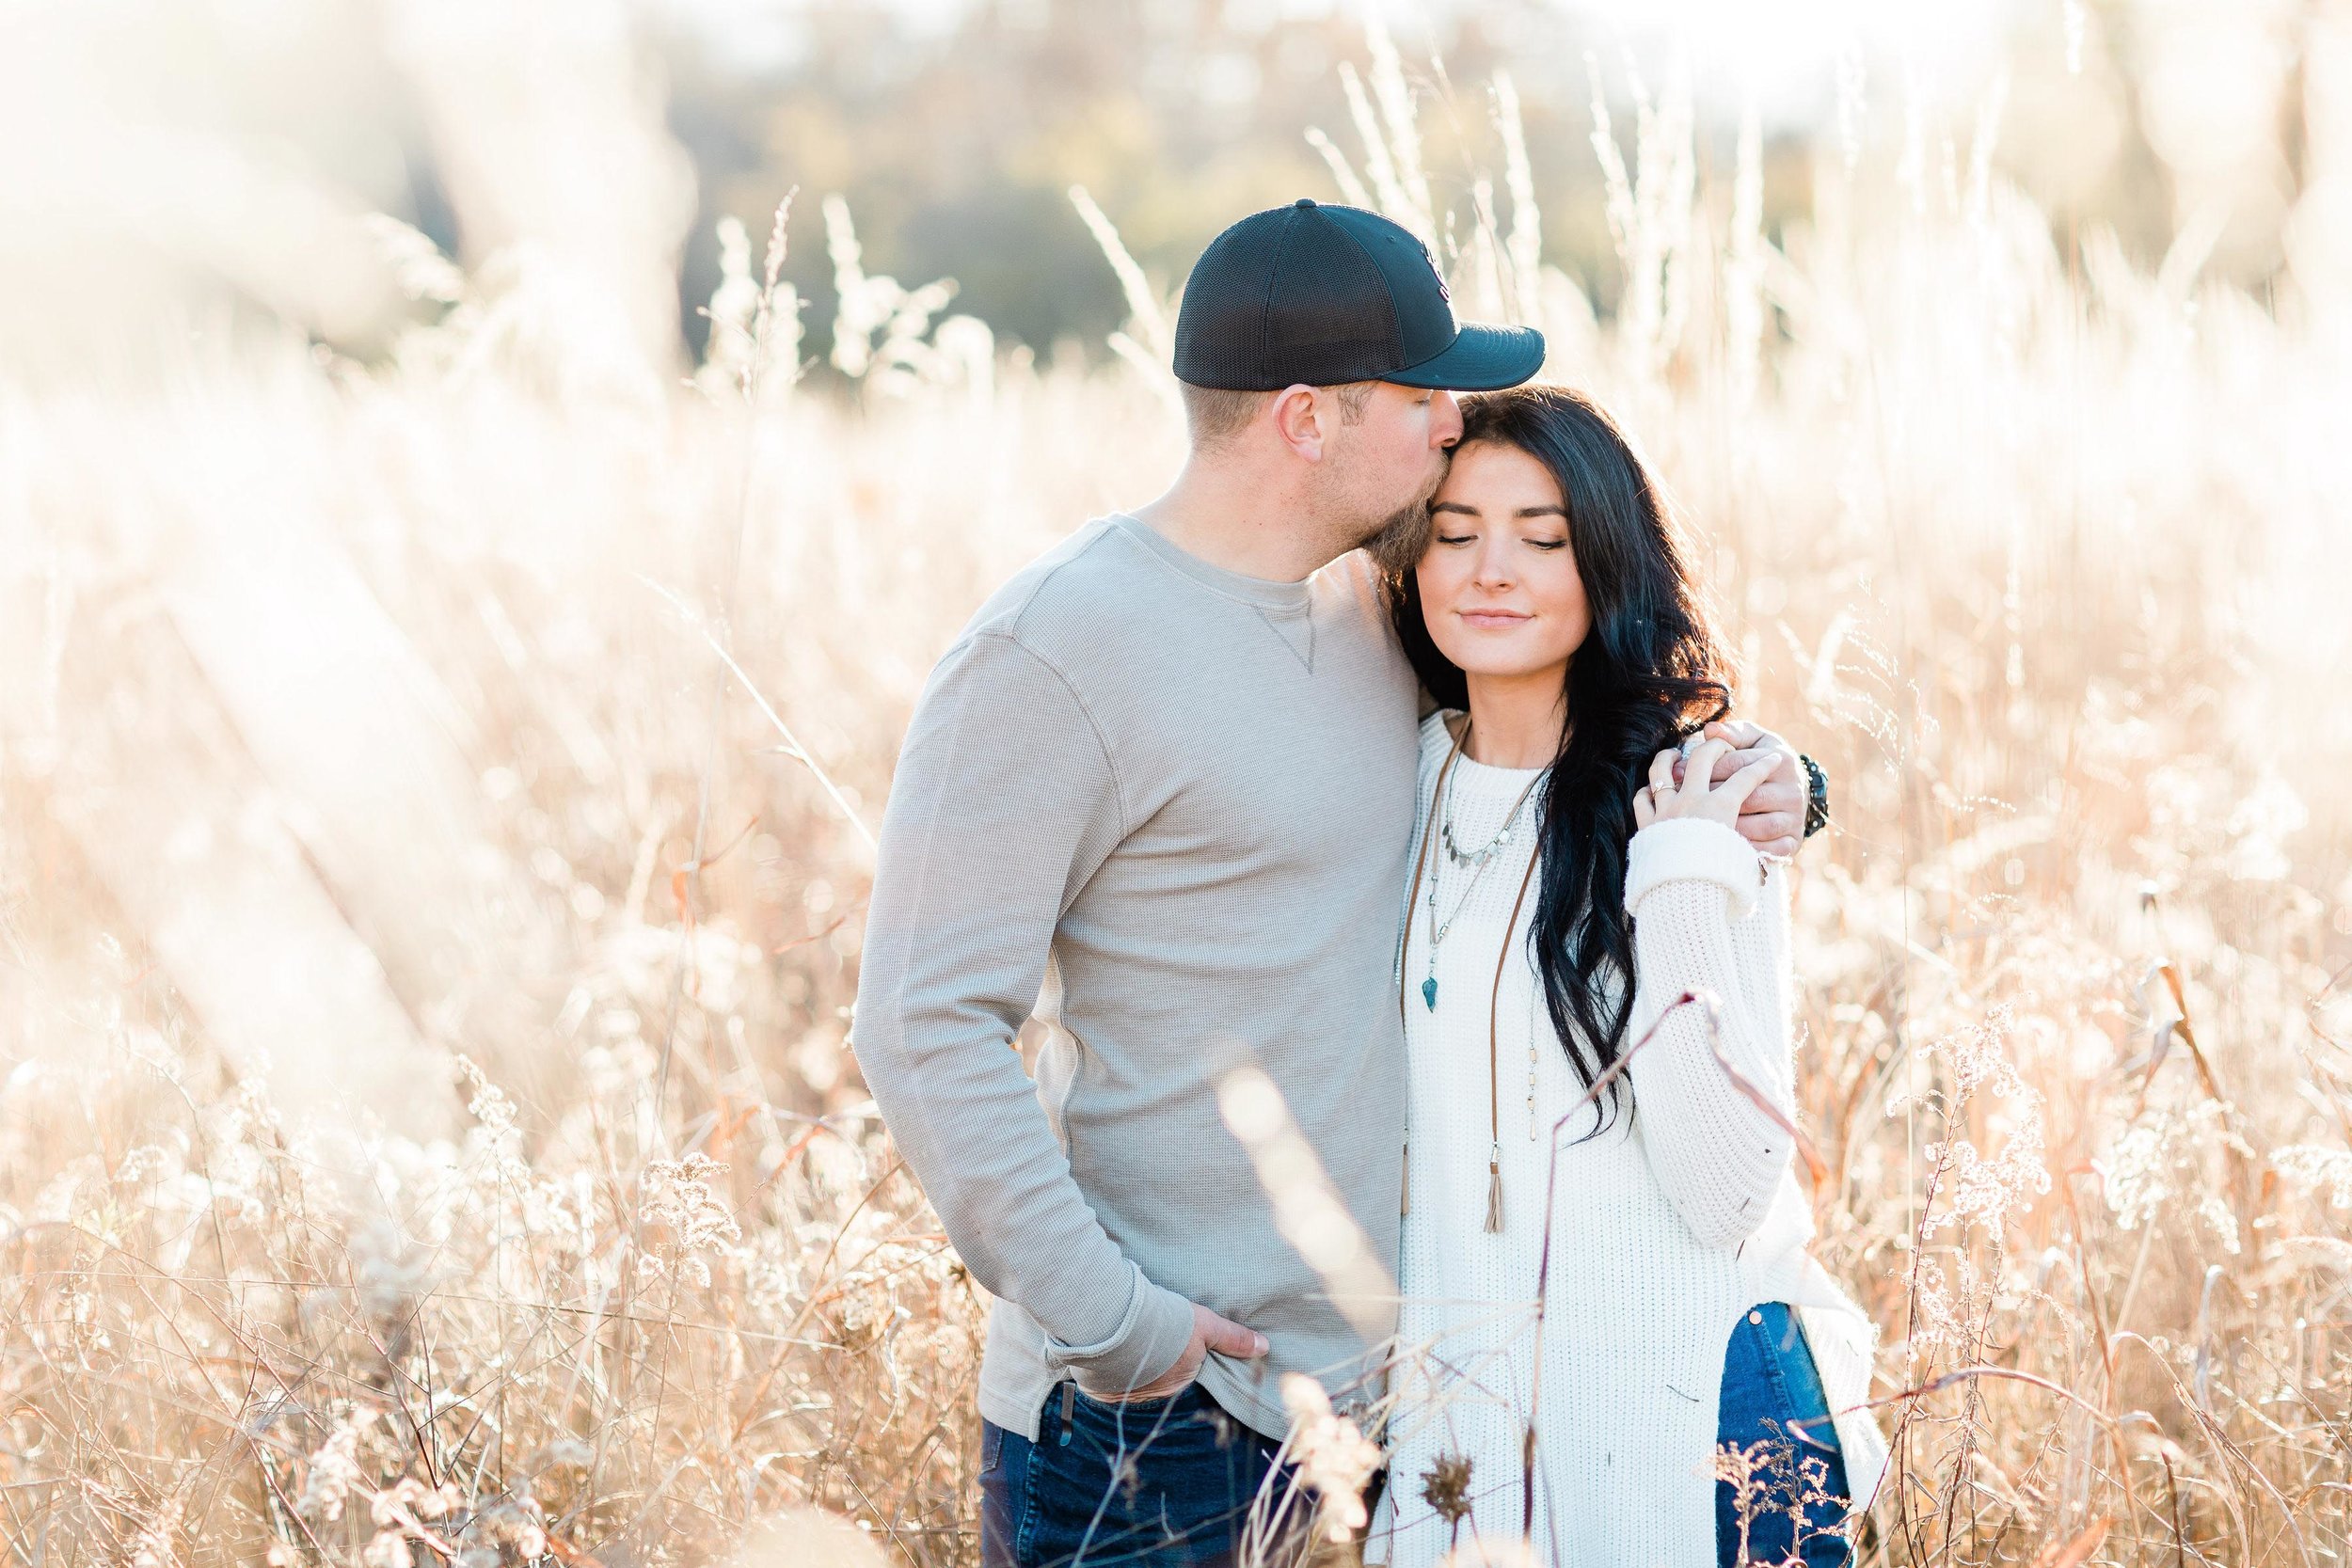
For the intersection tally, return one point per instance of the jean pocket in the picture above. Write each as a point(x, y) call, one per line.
point(992, 1446)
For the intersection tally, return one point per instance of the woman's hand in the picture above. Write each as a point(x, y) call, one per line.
point(1663, 800)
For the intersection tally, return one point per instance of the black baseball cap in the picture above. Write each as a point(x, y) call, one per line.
point(1319, 295)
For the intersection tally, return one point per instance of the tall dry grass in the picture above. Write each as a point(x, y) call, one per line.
point(431, 888)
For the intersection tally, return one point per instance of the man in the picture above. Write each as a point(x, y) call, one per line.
point(1175, 757)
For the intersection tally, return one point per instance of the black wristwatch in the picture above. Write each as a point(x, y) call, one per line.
point(1816, 794)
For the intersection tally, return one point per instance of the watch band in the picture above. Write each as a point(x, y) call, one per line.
point(1816, 794)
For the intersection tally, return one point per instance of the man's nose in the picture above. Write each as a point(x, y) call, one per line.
point(1445, 423)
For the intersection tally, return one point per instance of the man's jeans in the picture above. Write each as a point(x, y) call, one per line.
point(1160, 1483)
point(1773, 1410)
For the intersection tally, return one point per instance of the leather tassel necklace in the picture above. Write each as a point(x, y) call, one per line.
point(1430, 832)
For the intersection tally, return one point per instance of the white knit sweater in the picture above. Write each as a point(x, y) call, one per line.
point(1667, 1228)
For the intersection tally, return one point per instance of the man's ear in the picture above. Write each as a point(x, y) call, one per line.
point(1299, 418)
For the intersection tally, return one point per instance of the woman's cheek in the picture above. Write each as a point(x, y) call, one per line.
point(1437, 588)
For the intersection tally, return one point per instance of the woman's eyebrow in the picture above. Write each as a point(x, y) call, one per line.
point(1560, 512)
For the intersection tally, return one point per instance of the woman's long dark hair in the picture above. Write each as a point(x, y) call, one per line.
point(1650, 671)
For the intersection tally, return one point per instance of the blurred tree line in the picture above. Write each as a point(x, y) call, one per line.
point(214, 162)
point(956, 142)
point(957, 146)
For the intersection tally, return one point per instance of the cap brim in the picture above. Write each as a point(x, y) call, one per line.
point(1481, 360)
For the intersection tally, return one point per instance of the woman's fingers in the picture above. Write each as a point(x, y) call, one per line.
point(1695, 793)
point(1700, 770)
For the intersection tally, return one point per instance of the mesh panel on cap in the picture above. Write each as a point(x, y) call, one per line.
point(1220, 326)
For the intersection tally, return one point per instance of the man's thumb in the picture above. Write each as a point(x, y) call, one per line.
point(1227, 1338)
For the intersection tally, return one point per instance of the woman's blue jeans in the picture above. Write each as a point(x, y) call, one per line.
point(1156, 1483)
point(1775, 1412)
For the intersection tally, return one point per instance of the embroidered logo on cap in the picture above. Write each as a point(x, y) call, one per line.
point(1443, 293)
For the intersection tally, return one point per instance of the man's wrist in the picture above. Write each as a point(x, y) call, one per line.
point(1152, 1339)
point(1816, 794)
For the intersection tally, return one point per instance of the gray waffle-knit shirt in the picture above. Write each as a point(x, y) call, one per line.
point(1193, 793)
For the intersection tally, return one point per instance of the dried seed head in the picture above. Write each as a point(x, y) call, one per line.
point(1445, 1488)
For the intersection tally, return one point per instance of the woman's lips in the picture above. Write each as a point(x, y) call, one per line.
point(1493, 620)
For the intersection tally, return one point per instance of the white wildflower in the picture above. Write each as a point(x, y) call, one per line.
point(2318, 1169)
point(2218, 1218)
point(148, 1163)
point(408, 1499)
point(1335, 1458)
point(680, 1199)
point(391, 1276)
point(152, 1549)
point(2135, 1175)
point(1976, 1188)
point(333, 1468)
point(1935, 1315)
point(2260, 824)
point(498, 1135)
point(518, 1526)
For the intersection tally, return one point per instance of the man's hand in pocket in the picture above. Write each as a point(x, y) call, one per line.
point(1209, 1333)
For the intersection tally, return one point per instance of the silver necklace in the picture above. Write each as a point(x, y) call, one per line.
point(1479, 861)
point(1493, 847)
point(1534, 984)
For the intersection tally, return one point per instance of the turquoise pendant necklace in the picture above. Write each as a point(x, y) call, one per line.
point(1478, 859)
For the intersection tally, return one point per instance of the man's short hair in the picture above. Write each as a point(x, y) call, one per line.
point(1214, 416)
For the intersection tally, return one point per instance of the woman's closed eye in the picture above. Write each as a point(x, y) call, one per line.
point(1472, 538)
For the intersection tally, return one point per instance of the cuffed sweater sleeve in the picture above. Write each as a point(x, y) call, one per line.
point(1706, 922)
point(1005, 803)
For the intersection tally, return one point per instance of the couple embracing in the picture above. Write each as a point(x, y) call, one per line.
point(1386, 755)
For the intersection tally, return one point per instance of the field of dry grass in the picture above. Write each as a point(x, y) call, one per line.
point(432, 869)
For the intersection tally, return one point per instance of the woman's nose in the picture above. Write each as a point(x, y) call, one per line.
point(1493, 566)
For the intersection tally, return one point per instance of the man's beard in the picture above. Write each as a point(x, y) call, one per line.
point(1397, 542)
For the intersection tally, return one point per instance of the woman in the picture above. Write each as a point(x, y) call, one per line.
point(1569, 890)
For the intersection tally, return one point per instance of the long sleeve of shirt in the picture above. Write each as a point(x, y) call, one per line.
point(1705, 923)
point(1005, 803)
